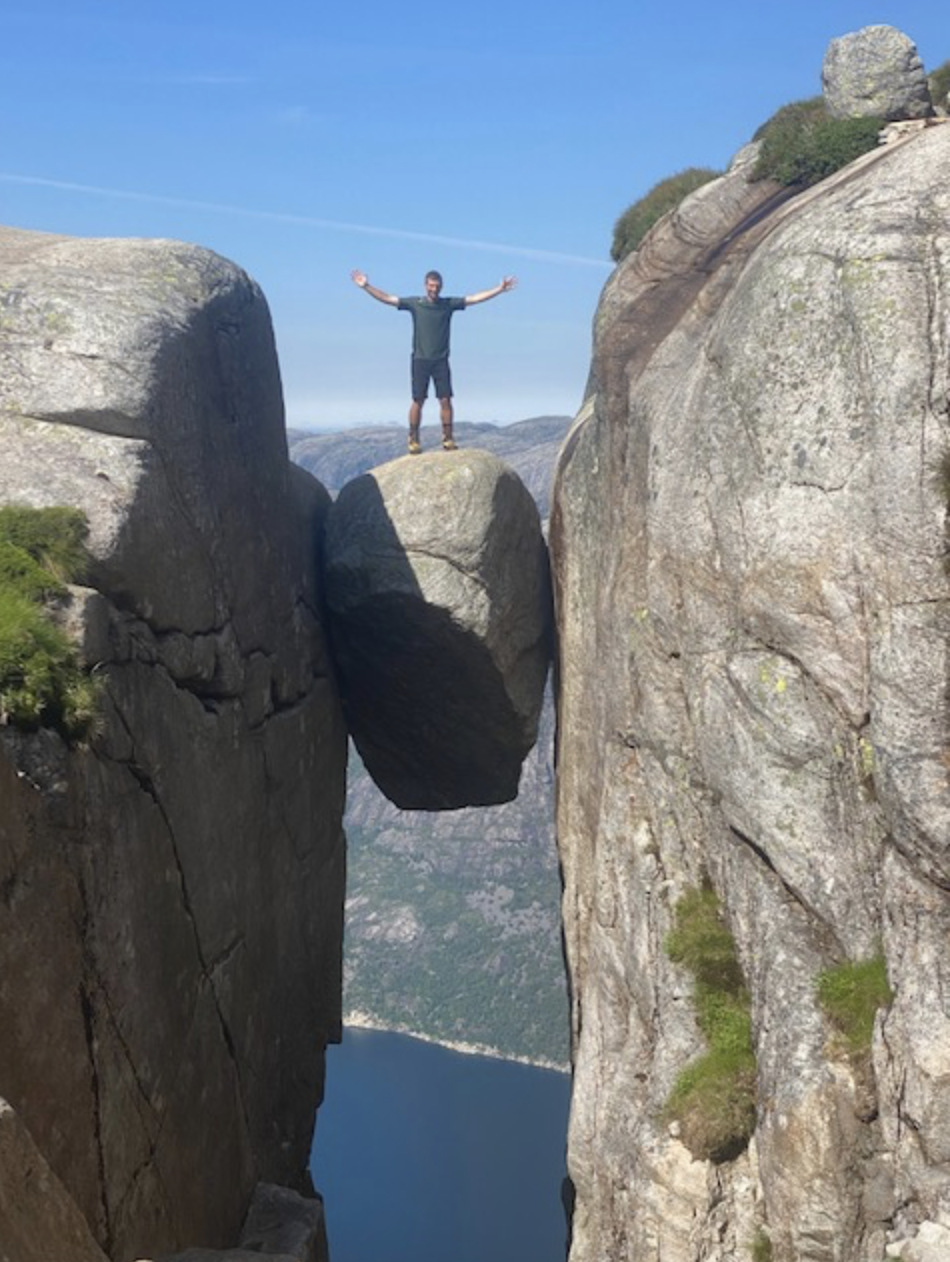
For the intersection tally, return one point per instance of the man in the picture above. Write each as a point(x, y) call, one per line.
point(431, 318)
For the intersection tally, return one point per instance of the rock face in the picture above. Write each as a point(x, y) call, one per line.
point(749, 553)
point(38, 1217)
point(875, 72)
point(170, 916)
point(437, 583)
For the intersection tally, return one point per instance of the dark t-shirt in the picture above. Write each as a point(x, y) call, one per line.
point(430, 325)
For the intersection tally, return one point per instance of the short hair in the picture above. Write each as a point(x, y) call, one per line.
point(434, 276)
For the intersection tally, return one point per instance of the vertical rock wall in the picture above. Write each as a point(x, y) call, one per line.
point(749, 547)
point(171, 895)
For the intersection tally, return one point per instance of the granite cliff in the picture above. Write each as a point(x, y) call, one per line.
point(171, 893)
point(749, 551)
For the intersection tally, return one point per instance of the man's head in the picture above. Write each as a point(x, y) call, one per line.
point(433, 284)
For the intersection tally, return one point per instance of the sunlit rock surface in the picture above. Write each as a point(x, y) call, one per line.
point(749, 553)
point(437, 582)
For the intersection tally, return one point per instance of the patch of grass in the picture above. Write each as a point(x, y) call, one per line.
point(637, 220)
point(713, 1098)
point(20, 573)
point(802, 143)
point(53, 537)
point(761, 1247)
point(850, 995)
point(42, 682)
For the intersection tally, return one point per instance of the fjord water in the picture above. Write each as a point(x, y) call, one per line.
point(423, 1154)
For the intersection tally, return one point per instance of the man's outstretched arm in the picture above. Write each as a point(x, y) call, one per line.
point(509, 282)
point(361, 279)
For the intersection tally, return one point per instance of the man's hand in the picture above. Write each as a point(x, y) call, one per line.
point(508, 282)
point(361, 279)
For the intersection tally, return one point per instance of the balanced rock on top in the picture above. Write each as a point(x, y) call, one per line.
point(438, 588)
point(875, 71)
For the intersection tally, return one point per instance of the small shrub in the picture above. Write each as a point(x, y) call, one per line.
point(713, 1098)
point(939, 83)
point(637, 220)
point(801, 143)
point(794, 116)
point(42, 682)
point(850, 995)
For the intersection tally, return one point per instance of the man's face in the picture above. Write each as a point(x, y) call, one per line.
point(433, 288)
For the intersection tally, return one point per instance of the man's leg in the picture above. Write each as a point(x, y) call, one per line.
point(415, 420)
point(448, 442)
point(420, 388)
point(443, 384)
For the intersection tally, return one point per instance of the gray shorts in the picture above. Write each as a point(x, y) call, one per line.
point(435, 369)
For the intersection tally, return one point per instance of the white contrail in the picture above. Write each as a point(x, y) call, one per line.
point(305, 221)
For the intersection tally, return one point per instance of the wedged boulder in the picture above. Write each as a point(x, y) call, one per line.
point(171, 918)
point(437, 582)
point(875, 72)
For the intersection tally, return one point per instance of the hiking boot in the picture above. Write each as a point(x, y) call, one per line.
point(449, 443)
point(415, 447)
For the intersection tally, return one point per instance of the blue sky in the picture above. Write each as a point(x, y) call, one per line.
point(305, 139)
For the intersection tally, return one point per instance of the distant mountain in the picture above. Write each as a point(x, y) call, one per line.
point(453, 918)
point(530, 447)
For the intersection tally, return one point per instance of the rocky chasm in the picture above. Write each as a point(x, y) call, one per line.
point(749, 560)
